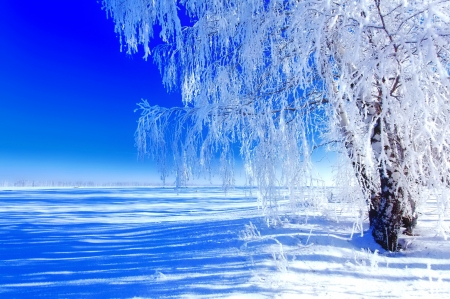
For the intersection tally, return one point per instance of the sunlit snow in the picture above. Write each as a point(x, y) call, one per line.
point(200, 243)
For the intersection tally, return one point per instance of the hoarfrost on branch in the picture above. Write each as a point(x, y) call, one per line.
point(280, 78)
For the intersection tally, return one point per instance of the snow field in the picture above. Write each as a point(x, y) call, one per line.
point(153, 243)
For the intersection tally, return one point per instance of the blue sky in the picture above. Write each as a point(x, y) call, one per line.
point(68, 95)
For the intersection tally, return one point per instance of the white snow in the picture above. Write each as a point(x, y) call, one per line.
point(153, 243)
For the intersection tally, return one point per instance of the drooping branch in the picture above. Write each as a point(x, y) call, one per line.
point(276, 79)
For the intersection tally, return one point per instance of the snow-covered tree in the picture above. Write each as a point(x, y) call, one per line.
point(278, 78)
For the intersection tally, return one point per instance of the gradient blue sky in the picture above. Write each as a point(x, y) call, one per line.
point(67, 94)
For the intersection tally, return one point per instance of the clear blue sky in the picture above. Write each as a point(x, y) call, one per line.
point(67, 94)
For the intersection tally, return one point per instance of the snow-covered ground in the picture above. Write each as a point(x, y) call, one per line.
point(201, 243)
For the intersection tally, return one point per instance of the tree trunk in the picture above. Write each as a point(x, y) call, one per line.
point(387, 219)
point(388, 210)
point(388, 214)
point(410, 221)
point(387, 204)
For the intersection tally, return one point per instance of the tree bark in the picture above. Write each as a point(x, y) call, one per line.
point(388, 210)
point(387, 203)
point(389, 213)
point(387, 220)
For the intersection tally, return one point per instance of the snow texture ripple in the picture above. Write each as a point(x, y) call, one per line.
point(200, 243)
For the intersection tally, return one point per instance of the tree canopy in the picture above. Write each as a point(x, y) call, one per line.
point(279, 78)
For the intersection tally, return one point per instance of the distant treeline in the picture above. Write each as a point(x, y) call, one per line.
point(50, 183)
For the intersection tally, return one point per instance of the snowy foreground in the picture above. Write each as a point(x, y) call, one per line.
point(153, 243)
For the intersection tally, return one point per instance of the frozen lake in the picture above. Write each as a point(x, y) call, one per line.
point(122, 243)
